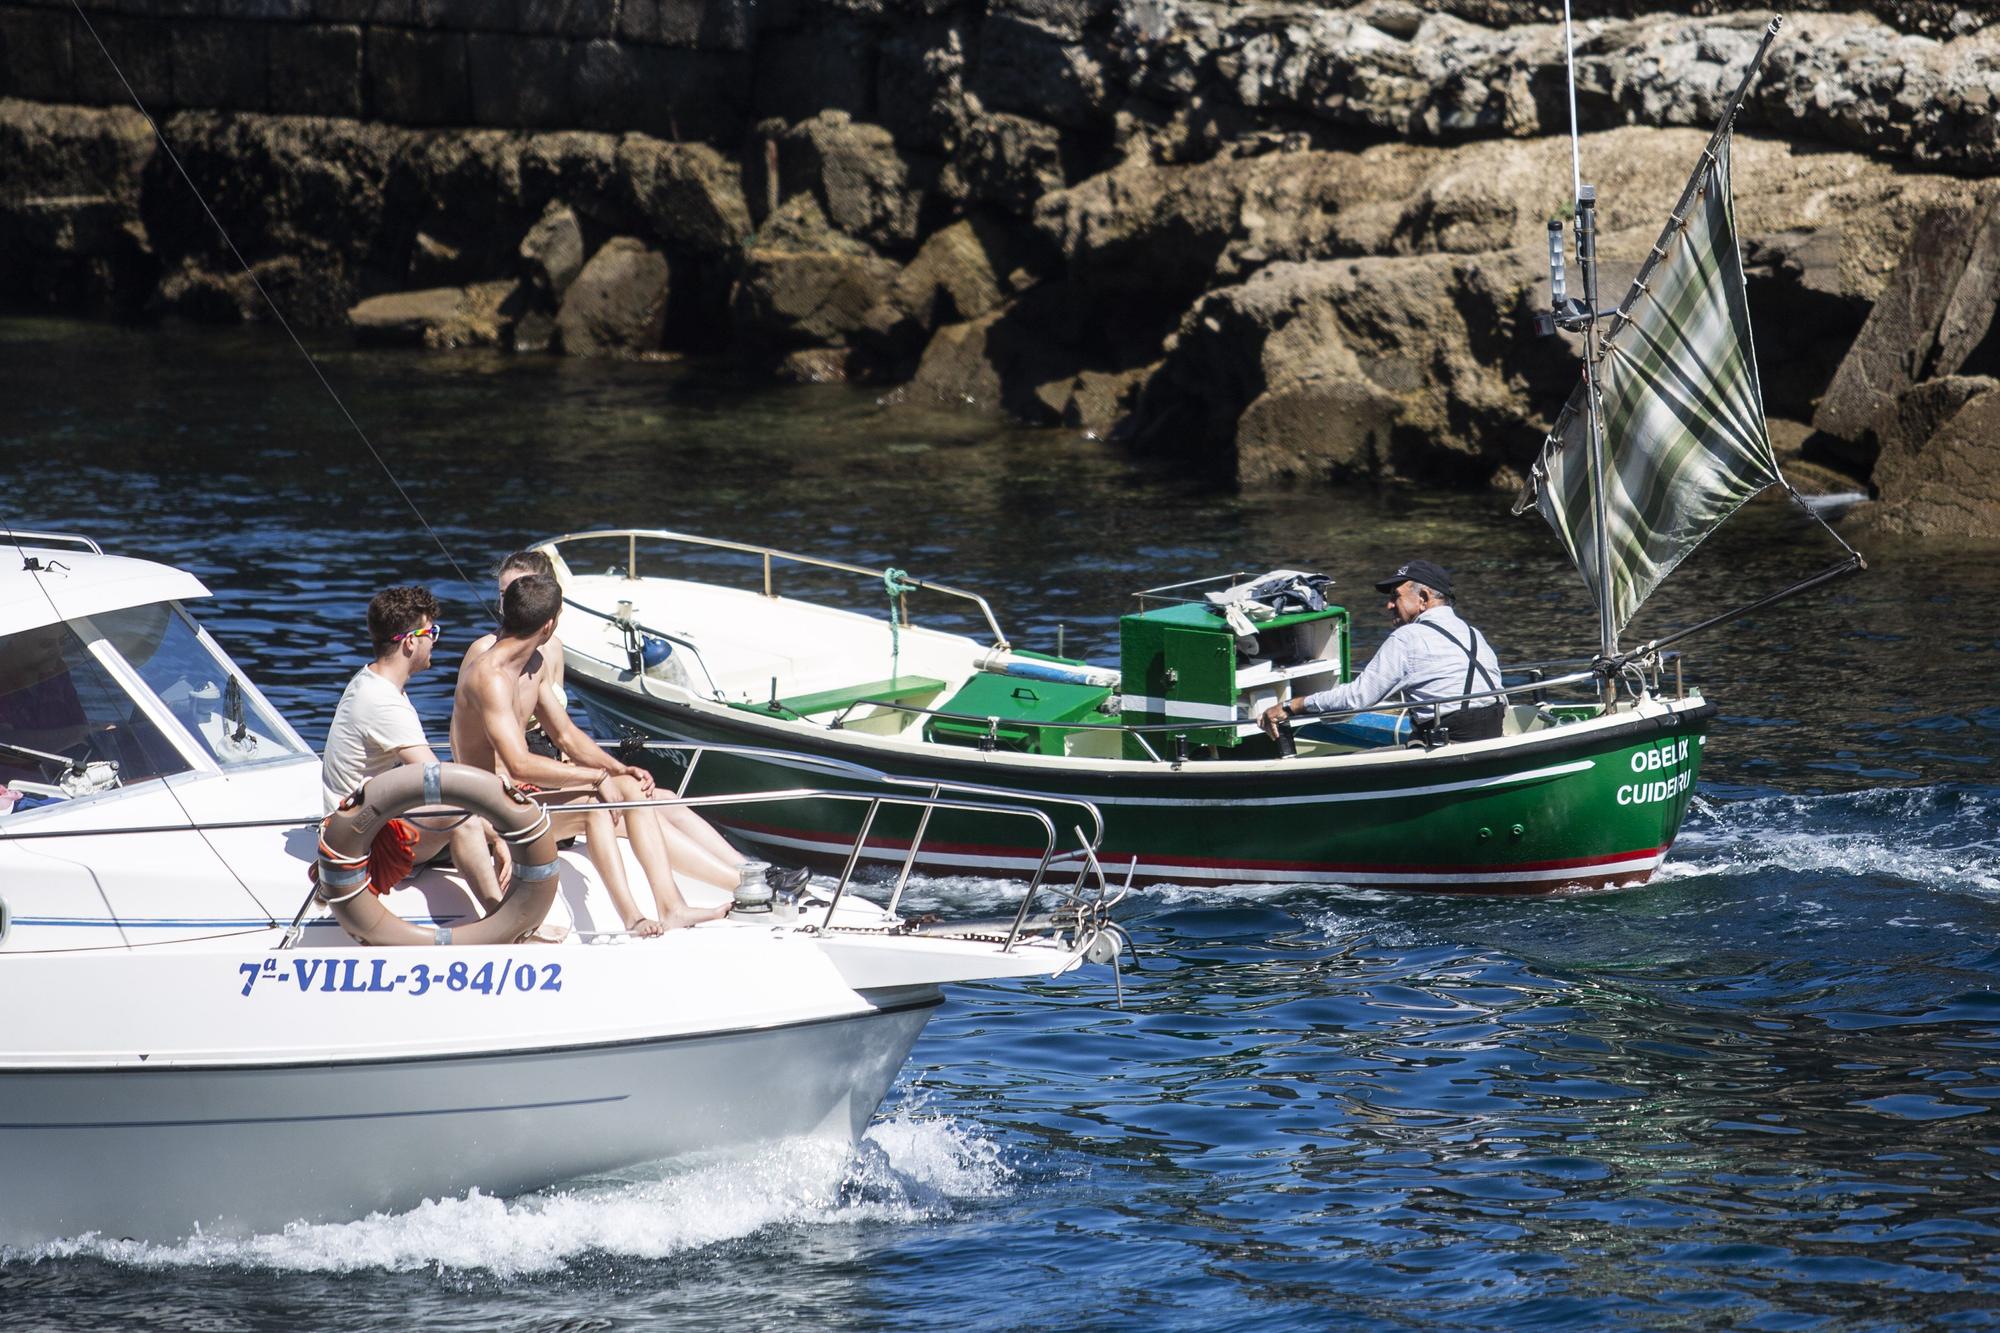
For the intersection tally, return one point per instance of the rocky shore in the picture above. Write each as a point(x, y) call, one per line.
point(1281, 243)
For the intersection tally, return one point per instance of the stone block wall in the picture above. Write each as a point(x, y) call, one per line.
point(674, 68)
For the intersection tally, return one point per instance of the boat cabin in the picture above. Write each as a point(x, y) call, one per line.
point(107, 682)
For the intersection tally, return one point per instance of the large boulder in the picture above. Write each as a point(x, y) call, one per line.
point(477, 316)
point(582, 170)
point(959, 274)
point(618, 304)
point(919, 81)
point(1009, 162)
point(1804, 313)
point(690, 195)
point(552, 252)
point(314, 192)
point(1033, 67)
point(866, 186)
point(805, 284)
point(1392, 367)
point(1095, 402)
point(1020, 358)
point(1935, 318)
point(1938, 475)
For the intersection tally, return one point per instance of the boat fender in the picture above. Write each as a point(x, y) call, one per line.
point(1003, 662)
point(348, 832)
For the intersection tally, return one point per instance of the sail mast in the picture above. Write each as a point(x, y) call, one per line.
point(1584, 198)
point(1586, 260)
point(1663, 436)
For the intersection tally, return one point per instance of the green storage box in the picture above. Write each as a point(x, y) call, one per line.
point(1025, 709)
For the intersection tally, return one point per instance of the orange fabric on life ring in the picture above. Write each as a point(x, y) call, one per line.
point(392, 855)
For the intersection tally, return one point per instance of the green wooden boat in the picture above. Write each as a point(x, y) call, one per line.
point(1190, 790)
point(1663, 439)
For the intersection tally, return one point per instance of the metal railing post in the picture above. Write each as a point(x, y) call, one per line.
point(910, 861)
point(687, 775)
point(1028, 896)
point(853, 855)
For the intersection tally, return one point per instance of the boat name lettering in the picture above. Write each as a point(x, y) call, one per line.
point(1660, 789)
point(371, 976)
point(1666, 755)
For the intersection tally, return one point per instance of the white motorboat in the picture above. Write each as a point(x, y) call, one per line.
point(189, 1047)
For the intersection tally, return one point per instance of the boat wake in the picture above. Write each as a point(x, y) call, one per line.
point(1941, 837)
point(907, 1169)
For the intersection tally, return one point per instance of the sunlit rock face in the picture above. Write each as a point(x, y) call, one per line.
point(1282, 243)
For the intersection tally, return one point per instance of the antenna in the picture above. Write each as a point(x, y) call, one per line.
point(1581, 317)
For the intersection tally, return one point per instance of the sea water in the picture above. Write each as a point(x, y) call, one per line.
point(1752, 1094)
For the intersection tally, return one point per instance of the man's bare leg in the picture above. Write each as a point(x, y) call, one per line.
point(467, 839)
point(649, 844)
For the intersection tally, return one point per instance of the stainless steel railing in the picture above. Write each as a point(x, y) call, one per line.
point(770, 556)
point(1090, 911)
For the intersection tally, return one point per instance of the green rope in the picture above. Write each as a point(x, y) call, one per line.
point(895, 582)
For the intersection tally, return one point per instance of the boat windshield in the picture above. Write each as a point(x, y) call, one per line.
point(198, 685)
point(68, 726)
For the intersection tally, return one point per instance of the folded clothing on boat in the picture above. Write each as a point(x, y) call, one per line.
point(392, 856)
point(1277, 593)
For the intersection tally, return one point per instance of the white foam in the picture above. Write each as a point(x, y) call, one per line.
point(907, 1169)
point(1917, 835)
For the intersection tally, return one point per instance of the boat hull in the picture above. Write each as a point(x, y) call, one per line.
point(155, 1153)
point(1588, 805)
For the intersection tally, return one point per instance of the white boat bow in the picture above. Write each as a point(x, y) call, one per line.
point(191, 1050)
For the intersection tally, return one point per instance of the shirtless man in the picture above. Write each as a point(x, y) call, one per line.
point(499, 689)
point(691, 840)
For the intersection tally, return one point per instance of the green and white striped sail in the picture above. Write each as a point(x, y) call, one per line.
point(1685, 440)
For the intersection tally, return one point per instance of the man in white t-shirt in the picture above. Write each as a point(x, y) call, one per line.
point(376, 728)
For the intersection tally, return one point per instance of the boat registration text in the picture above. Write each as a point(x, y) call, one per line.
point(1668, 759)
point(371, 976)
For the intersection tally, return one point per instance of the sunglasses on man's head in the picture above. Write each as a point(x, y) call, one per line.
point(431, 633)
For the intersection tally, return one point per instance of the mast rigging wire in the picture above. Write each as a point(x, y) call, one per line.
point(276, 313)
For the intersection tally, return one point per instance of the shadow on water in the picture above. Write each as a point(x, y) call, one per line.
point(1750, 1094)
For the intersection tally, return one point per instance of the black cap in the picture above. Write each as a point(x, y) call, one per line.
point(1417, 571)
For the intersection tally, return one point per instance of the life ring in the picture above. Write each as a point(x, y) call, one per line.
point(346, 835)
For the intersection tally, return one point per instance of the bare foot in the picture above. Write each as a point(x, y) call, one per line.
point(545, 935)
point(646, 928)
point(685, 915)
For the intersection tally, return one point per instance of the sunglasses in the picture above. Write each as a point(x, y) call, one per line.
point(431, 633)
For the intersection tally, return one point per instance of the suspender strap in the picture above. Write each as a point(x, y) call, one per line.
point(1472, 662)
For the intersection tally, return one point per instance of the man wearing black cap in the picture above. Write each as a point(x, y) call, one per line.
point(1431, 654)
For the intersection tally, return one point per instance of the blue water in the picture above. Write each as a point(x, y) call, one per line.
point(1749, 1095)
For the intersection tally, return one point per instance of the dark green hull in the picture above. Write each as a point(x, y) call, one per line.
point(1589, 804)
